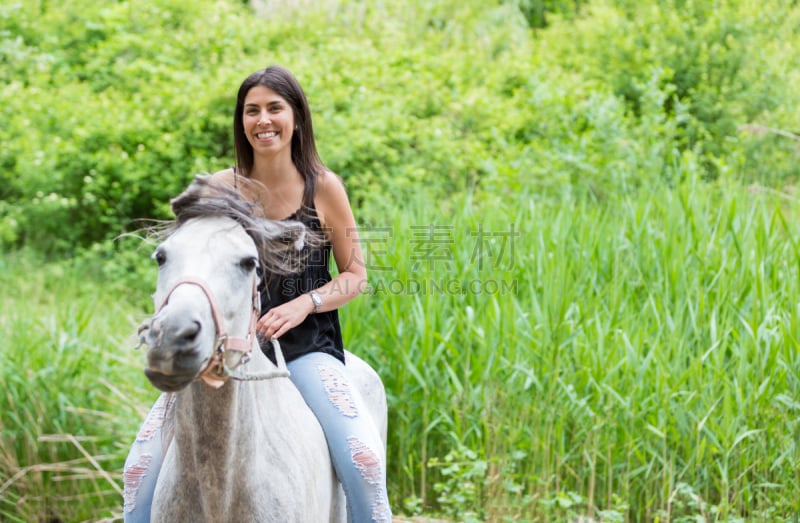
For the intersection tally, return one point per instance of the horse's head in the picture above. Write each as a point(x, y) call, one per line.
point(206, 267)
point(206, 299)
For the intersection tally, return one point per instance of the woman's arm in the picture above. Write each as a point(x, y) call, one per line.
point(338, 224)
point(340, 227)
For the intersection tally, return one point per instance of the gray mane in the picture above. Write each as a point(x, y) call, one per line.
point(279, 242)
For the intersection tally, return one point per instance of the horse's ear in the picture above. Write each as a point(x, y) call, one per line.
point(206, 196)
point(198, 189)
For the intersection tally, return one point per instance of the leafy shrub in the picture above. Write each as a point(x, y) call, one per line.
point(537, 12)
point(722, 66)
point(111, 110)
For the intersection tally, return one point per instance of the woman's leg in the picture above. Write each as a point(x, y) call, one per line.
point(353, 439)
point(144, 462)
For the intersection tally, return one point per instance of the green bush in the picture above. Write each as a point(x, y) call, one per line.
point(113, 108)
point(722, 66)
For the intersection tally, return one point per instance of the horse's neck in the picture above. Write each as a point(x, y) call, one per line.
point(217, 427)
point(249, 447)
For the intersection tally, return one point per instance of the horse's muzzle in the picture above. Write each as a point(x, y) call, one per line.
point(175, 351)
point(169, 383)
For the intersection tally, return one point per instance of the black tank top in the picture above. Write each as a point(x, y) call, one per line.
point(319, 332)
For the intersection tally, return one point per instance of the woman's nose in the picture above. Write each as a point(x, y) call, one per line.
point(264, 120)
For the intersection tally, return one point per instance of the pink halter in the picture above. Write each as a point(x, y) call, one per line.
point(215, 374)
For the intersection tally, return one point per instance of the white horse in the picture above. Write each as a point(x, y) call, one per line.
point(245, 447)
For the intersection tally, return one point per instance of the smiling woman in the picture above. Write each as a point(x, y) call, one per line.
point(272, 101)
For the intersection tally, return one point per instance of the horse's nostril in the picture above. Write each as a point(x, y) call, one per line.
point(188, 332)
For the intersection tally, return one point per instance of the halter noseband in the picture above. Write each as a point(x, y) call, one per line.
point(216, 372)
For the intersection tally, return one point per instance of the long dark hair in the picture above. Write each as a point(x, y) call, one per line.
point(304, 150)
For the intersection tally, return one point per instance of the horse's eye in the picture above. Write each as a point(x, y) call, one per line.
point(248, 264)
point(160, 257)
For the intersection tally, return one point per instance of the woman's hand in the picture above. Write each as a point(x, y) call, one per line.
point(280, 319)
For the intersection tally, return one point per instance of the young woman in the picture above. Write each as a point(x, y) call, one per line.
point(277, 167)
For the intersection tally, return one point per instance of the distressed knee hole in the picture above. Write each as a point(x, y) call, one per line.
point(155, 419)
point(368, 463)
point(132, 479)
point(338, 390)
point(365, 460)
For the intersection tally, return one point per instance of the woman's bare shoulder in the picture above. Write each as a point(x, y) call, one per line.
point(329, 183)
point(333, 205)
point(226, 176)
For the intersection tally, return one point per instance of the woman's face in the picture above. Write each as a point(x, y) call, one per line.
point(268, 122)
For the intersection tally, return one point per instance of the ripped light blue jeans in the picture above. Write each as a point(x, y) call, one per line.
point(353, 439)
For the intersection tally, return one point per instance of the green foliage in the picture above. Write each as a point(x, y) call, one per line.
point(460, 493)
point(109, 124)
point(537, 12)
point(631, 352)
point(581, 239)
point(113, 108)
point(722, 65)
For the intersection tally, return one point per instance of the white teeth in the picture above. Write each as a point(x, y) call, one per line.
point(265, 135)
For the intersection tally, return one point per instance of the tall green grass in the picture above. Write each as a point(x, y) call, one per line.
point(73, 390)
point(636, 356)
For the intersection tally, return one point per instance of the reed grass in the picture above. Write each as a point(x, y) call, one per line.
point(643, 365)
point(73, 391)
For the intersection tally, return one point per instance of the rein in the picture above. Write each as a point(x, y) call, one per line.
point(217, 372)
